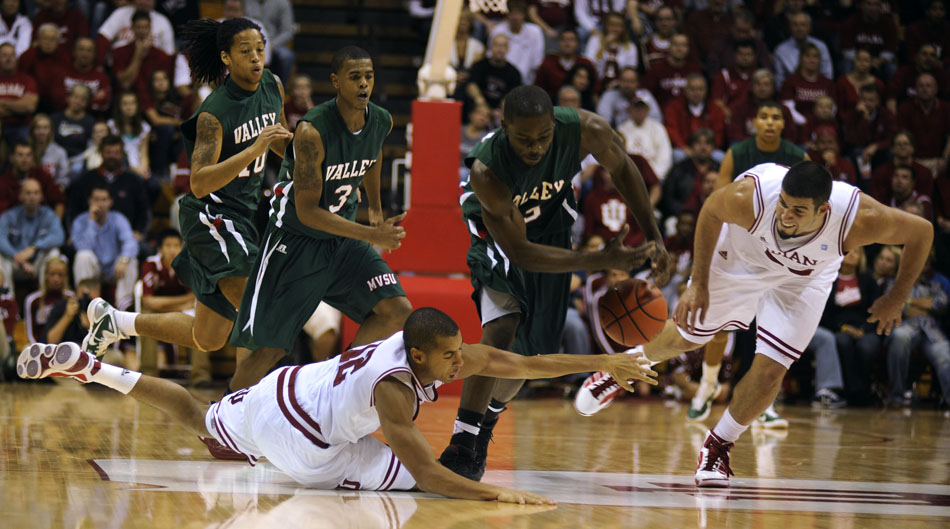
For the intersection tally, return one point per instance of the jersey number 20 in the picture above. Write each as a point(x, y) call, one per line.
point(258, 166)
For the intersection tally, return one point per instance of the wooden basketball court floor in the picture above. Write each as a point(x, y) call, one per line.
point(84, 457)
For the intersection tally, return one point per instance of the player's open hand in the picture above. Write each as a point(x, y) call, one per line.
point(627, 367)
point(617, 256)
point(886, 312)
point(523, 497)
point(692, 305)
point(387, 235)
point(270, 134)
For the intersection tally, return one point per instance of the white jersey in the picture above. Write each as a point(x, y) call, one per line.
point(817, 257)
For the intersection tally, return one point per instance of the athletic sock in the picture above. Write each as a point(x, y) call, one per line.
point(710, 374)
point(491, 416)
point(125, 322)
point(728, 429)
point(467, 426)
point(114, 377)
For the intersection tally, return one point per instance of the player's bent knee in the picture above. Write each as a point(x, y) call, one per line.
point(207, 342)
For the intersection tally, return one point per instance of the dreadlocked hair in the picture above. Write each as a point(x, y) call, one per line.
point(205, 39)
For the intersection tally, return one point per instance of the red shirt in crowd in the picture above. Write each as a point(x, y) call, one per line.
point(730, 85)
point(293, 113)
point(681, 122)
point(904, 83)
point(97, 81)
point(10, 189)
point(880, 187)
point(707, 27)
point(808, 132)
point(876, 37)
point(842, 169)
point(605, 211)
point(160, 280)
point(552, 74)
point(804, 92)
point(155, 59)
point(72, 24)
point(44, 69)
point(862, 132)
point(930, 128)
point(14, 86)
point(846, 95)
point(666, 81)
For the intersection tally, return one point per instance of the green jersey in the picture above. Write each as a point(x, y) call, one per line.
point(745, 155)
point(347, 158)
point(542, 192)
point(243, 115)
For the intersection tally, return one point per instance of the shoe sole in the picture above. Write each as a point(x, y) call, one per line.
point(712, 483)
point(30, 363)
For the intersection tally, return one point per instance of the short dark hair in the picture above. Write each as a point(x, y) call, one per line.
point(111, 139)
point(768, 103)
point(23, 143)
point(700, 133)
point(347, 53)
point(867, 88)
point(528, 101)
point(141, 14)
point(909, 169)
point(99, 186)
point(808, 179)
point(166, 233)
point(424, 326)
point(746, 43)
point(567, 30)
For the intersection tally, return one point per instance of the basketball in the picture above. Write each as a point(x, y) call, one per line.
point(633, 312)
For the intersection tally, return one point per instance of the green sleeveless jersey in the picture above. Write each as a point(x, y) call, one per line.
point(543, 192)
point(745, 155)
point(347, 158)
point(242, 115)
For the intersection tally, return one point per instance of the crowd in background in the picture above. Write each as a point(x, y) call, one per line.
point(863, 88)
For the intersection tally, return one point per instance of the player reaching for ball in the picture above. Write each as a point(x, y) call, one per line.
point(519, 206)
point(768, 246)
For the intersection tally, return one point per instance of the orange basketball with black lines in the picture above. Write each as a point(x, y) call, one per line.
point(632, 312)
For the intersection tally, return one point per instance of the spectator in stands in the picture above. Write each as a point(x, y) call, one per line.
point(902, 147)
point(9, 313)
point(868, 130)
point(116, 31)
point(493, 77)
point(606, 213)
point(686, 175)
point(666, 79)
point(704, 187)
point(733, 83)
point(552, 16)
point(300, 100)
point(14, 27)
point(525, 40)
point(829, 382)
point(49, 156)
point(18, 96)
point(822, 117)
point(707, 26)
point(589, 14)
point(801, 89)
point(902, 191)
point(105, 246)
point(165, 111)
point(870, 28)
point(766, 146)
point(67, 319)
point(83, 70)
point(44, 62)
point(848, 85)
point(23, 166)
point(723, 53)
point(647, 137)
point(29, 234)
point(128, 122)
point(71, 21)
point(685, 115)
point(742, 112)
point(612, 51)
point(778, 28)
point(614, 103)
point(903, 85)
point(787, 53)
point(134, 63)
point(582, 78)
point(127, 188)
point(277, 17)
point(91, 158)
point(552, 74)
point(928, 119)
point(568, 96)
point(54, 287)
point(466, 51)
point(163, 292)
point(478, 125)
point(933, 29)
point(827, 151)
point(920, 329)
point(658, 44)
point(72, 127)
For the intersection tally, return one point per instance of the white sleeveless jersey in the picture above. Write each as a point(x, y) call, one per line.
point(756, 251)
point(333, 403)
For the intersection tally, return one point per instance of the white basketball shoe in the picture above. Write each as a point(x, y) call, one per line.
point(713, 469)
point(42, 360)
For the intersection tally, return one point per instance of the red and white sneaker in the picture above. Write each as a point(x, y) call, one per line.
point(713, 469)
point(42, 360)
point(596, 393)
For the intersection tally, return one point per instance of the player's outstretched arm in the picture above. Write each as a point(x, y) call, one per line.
point(207, 173)
point(877, 223)
point(395, 404)
point(507, 226)
point(600, 140)
point(489, 361)
point(308, 190)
